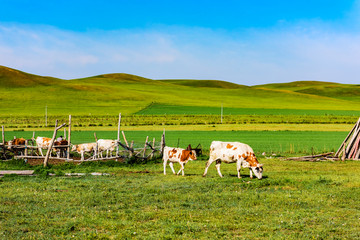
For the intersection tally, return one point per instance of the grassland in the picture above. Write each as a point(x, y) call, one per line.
point(277, 142)
point(24, 94)
point(295, 200)
point(187, 122)
point(162, 109)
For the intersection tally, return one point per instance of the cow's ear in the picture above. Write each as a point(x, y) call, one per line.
point(188, 147)
point(260, 165)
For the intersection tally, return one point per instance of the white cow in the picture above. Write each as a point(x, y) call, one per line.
point(231, 152)
point(106, 145)
point(84, 147)
point(179, 155)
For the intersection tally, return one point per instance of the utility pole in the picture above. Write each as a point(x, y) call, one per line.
point(221, 113)
point(46, 116)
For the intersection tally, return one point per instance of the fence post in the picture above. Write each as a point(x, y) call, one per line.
point(69, 140)
point(162, 143)
point(96, 148)
point(3, 139)
point(147, 138)
point(26, 148)
point(118, 137)
point(131, 146)
point(153, 146)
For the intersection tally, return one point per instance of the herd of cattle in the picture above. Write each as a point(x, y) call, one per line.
point(98, 147)
point(227, 152)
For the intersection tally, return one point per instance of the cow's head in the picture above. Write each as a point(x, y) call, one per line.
point(188, 155)
point(10, 144)
point(74, 147)
point(257, 170)
point(192, 155)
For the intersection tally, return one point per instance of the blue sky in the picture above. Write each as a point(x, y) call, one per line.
point(246, 42)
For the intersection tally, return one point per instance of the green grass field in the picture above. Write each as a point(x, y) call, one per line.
point(295, 200)
point(24, 94)
point(161, 109)
point(278, 142)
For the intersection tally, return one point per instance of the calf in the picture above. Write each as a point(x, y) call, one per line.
point(178, 155)
point(231, 152)
point(84, 147)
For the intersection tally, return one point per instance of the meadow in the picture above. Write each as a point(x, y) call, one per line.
point(270, 142)
point(295, 200)
point(129, 94)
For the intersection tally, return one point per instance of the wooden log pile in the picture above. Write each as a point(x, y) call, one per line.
point(315, 158)
point(350, 147)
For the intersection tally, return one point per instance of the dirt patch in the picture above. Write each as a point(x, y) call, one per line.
point(144, 171)
point(35, 161)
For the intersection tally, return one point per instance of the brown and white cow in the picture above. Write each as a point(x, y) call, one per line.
point(60, 151)
point(179, 155)
point(231, 152)
point(84, 147)
point(42, 143)
point(12, 144)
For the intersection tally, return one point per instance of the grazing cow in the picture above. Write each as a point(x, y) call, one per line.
point(106, 145)
point(60, 151)
point(179, 155)
point(42, 143)
point(84, 147)
point(230, 152)
point(16, 142)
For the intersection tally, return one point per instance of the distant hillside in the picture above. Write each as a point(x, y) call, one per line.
point(108, 94)
point(204, 83)
point(115, 77)
point(327, 89)
point(14, 78)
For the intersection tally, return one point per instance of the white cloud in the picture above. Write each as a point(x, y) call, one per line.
point(290, 52)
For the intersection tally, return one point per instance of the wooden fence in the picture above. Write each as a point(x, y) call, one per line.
point(143, 151)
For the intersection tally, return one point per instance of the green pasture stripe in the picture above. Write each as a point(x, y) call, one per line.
point(161, 109)
point(304, 142)
point(294, 200)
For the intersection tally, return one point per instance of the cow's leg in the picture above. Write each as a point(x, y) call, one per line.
point(208, 163)
point(165, 162)
point(238, 168)
point(218, 163)
point(40, 151)
point(251, 173)
point(172, 167)
point(181, 168)
point(82, 155)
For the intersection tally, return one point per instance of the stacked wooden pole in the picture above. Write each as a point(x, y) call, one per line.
point(350, 147)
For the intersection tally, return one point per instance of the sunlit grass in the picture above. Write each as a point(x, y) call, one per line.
point(295, 200)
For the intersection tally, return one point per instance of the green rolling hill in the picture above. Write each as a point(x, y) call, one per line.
point(349, 92)
point(23, 94)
